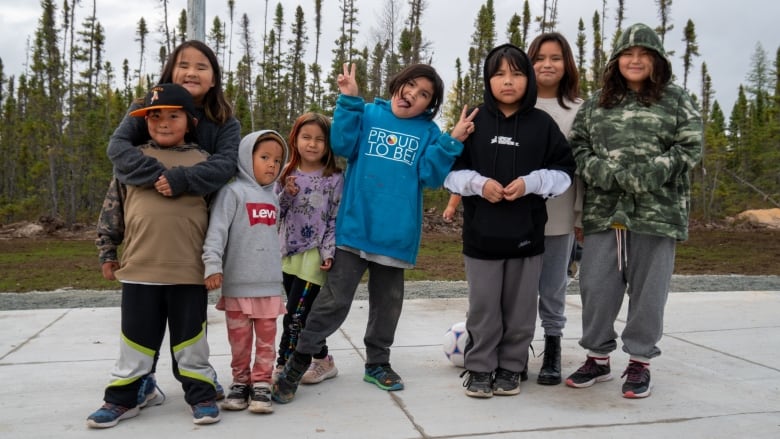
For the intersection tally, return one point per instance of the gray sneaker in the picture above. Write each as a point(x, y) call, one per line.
point(261, 399)
point(237, 398)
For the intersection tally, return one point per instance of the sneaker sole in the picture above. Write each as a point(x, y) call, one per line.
point(510, 392)
point(631, 395)
point(261, 408)
point(479, 394)
point(372, 380)
point(206, 420)
point(316, 380)
point(132, 413)
point(234, 405)
point(599, 379)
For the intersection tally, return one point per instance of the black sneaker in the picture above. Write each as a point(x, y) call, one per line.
point(287, 382)
point(637, 383)
point(383, 376)
point(478, 384)
point(589, 373)
point(237, 398)
point(506, 382)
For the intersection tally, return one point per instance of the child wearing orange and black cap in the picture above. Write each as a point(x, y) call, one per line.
point(160, 269)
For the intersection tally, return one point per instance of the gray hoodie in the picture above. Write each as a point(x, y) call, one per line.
point(242, 241)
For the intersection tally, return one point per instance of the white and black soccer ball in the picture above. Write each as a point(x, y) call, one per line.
point(454, 344)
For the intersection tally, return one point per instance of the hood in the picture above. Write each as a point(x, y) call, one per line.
point(245, 168)
point(643, 36)
point(529, 99)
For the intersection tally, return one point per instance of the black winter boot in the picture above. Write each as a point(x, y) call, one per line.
point(551, 364)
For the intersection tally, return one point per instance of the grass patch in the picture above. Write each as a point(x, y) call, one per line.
point(46, 265)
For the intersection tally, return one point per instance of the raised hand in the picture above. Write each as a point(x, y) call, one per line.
point(290, 187)
point(346, 81)
point(465, 125)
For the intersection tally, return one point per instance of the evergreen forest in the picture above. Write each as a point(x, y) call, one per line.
point(57, 116)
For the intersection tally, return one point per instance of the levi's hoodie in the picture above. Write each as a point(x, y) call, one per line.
point(242, 241)
point(504, 148)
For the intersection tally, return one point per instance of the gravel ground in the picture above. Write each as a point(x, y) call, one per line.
point(71, 298)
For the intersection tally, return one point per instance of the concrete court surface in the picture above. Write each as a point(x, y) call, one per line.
point(718, 377)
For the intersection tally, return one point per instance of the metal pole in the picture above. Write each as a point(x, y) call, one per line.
point(196, 20)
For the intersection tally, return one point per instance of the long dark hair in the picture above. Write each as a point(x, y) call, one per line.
point(216, 106)
point(399, 80)
point(328, 160)
point(615, 85)
point(569, 87)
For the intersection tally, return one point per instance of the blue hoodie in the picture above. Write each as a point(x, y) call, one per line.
point(389, 161)
point(242, 241)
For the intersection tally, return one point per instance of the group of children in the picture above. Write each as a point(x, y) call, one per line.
point(300, 226)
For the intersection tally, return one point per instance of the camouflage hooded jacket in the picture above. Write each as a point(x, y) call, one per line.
point(635, 159)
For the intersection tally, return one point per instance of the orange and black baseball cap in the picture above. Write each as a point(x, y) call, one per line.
point(166, 96)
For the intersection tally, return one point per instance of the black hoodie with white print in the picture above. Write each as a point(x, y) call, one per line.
point(526, 144)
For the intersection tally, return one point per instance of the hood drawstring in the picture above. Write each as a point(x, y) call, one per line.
point(621, 239)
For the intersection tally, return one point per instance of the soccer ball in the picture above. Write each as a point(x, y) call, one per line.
point(454, 344)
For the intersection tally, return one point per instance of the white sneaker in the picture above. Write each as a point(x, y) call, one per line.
point(320, 370)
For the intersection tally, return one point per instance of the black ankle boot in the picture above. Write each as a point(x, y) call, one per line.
point(551, 364)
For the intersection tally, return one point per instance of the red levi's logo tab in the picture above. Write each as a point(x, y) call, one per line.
point(261, 213)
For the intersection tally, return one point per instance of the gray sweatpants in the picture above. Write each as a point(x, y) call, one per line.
point(502, 312)
point(644, 273)
point(552, 283)
point(330, 308)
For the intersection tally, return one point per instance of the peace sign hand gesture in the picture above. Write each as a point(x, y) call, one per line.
point(465, 125)
point(346, 81)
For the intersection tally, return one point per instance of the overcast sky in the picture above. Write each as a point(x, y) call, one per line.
point(727, 31)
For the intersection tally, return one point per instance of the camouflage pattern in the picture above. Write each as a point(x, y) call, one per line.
point(111, 222)
point(635, 160)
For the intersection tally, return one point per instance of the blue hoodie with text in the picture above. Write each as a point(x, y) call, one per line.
point(389, 161)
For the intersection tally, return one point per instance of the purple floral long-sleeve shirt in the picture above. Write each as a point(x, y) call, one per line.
point(308, 219)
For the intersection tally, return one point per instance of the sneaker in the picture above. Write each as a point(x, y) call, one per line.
point(220, 391)
point(261, 399)
point(637, 383)
point(149, 394)
point(589, 373)
point(383, 376)
point(478, 384)
point(320, 370)
point(205, 412)
point(287, 382)
point(110, 414)
point(505, 382)
point(238, 397)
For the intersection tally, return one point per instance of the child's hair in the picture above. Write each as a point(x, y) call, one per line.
point(329, 159)
point(569, 87)
point(216, 106)
point(399, 80)
point(616, 87)
point(513, 56)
